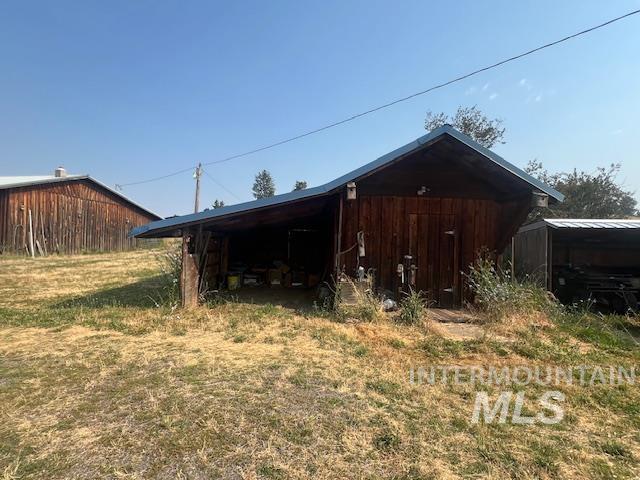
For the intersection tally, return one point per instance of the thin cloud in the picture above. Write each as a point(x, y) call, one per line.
point(493, 96)
point(485, 87)
point(471, 90)
point(538, 97)
point(525, 83)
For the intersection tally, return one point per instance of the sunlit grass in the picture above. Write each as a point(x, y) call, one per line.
point(99, 377)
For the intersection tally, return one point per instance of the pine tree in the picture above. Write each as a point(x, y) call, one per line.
point(263, 186)
point(300, 185)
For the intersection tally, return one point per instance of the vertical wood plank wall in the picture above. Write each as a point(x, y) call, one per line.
point(392, 223)
point(68, 217)
point(531, 260)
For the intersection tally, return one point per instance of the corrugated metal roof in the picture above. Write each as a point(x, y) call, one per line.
point(176, 222)
point(591, 223)
point(21, 181)
point(28, 180)
point(584, 223)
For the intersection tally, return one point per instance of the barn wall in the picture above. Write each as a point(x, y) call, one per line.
point(68, 217)
point(4, 217)
point(395, 226)
point(530, 255)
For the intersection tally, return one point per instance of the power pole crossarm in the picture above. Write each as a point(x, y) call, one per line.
point(197, 175)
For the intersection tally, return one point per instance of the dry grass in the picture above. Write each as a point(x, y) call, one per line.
point(96, 387)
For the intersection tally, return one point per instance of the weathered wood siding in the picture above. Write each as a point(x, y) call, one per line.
point(530, 256)
point(68, 217)
point(395, 226)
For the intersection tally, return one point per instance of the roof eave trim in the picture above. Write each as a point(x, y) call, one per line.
point(497, 159)
point(332, 186)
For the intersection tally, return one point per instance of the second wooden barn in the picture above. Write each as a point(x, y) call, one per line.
point(416, 216)
point(67, 214)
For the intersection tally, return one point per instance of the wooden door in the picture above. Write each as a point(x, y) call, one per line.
point(434, 245)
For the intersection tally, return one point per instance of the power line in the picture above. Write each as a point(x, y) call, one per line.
point(154, 179)
point(222, 186)
point(399, 100)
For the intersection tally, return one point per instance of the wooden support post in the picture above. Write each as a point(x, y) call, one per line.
point(513, 258)
point(31, 247)
point(189, 280)
point(338, 241)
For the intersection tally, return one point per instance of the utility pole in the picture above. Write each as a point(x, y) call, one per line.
point(197, 175)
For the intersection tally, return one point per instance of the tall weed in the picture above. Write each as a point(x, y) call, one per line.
point(366, 305)
point(413, 308)
point(170, 262)
point(499, 296)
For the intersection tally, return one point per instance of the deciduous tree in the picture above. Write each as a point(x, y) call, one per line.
point(587, 195)
point(472, 122)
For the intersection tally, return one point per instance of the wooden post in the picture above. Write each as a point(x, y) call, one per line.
point(338, 241)
point(31, 247)
point(189, 275)
point(513, 258)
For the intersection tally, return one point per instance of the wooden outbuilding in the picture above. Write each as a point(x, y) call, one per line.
point(415, 217)
point(580, 260)
point(68, 214)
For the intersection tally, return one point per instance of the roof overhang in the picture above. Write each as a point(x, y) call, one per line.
point(583, 224)
point(170, 226)
point(21, 182)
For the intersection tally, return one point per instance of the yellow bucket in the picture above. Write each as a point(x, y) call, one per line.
point(233, 281)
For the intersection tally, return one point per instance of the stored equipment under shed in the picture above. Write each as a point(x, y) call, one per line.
point(596, 260)
point(414, 218)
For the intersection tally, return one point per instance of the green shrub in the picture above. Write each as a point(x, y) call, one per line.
point(499, 295)
point(413, 307)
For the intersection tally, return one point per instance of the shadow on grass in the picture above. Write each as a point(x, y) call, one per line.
point(145, 293)
point(299, 300)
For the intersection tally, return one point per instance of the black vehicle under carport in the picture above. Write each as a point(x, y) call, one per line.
point(583, 259)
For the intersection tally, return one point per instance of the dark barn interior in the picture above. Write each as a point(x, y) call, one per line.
point(414, 218)
point(277, 249)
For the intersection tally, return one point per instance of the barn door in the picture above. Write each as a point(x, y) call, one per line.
point(434, 246)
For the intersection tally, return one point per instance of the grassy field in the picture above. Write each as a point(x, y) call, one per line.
point(101, 378)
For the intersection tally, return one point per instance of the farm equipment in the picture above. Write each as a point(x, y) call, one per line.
point(608, 289)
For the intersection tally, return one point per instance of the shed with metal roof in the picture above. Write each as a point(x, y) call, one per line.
point(414, 218)
point(596, 260)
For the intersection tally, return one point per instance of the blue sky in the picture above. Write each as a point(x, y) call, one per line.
point(127, 90)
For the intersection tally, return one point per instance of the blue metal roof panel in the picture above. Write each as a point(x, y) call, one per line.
point(175, 222)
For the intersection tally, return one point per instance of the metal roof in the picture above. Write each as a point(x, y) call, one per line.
point(29, 180)
point(584, 223)
point(21, 181)
point(434, 135)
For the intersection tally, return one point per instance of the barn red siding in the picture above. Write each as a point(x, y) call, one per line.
point(68, 217)
point(395, 226)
